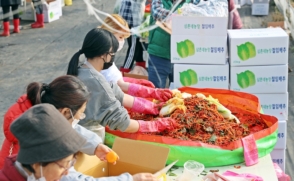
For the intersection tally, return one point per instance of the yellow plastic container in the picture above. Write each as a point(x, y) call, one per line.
point(68, 2)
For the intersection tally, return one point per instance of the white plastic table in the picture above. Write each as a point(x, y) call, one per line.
point(264, 169)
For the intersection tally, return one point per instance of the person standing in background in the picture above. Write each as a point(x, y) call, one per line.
point(133, 11)
point(160, 67)
point(38, 5)
point(6, 4)
point(113, 75)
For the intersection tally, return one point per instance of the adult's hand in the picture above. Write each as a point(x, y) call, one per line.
point(144, 177)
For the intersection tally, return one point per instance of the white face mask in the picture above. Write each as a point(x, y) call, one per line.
point(33, 178)
point(76, 121)
point(121, 45)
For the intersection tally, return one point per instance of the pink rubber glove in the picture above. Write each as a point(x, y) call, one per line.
point(243, 175)
point(159, 125)
point(143, 82)
point(146, 92)
point(250, 150)
point(146, 107)
point(280, 174)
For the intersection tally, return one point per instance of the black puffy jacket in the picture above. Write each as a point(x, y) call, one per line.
point(9, 2)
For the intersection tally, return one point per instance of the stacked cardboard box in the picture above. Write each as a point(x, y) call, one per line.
point(260, 7)
point(243, 2)
point(199, 52)
point(259, 65)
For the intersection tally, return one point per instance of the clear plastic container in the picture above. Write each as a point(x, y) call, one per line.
point(191, 170)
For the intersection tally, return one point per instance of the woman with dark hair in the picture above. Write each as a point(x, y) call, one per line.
point(112, 74)
point(69, 95)
point(105, 107)
point(48, 146)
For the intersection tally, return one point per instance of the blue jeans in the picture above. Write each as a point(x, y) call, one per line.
point(159, 69)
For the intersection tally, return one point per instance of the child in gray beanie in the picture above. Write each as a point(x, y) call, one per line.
point(47, 146)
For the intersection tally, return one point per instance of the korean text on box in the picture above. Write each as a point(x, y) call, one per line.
point(274, 104)
point(201, 76)
point(267, 46)
point(259, 79)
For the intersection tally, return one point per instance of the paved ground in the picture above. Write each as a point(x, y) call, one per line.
point(43, 54)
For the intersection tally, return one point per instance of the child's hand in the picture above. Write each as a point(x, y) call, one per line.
point(101, 152)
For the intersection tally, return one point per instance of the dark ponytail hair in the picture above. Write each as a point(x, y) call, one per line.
point(65, 91)
point(96, 43)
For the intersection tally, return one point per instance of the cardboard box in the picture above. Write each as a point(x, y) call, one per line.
point(282, 135)
point(245, 2)
point(136, 76)
point(199, 26)
point(201, 76)
point(260, 79)
point(279, 157)
point(278, 24)
point(134, 157)
point(52, 10)
point(260, 7)
point(164, 26)
point(259, 1)
point(268, 46)
point(198, 49)
point(28, 12)
point(275, 105)
point(61, 2)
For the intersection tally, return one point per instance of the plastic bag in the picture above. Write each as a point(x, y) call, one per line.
point(144, 25)
point(211, 8)
point(117, 6)
point(139, 71)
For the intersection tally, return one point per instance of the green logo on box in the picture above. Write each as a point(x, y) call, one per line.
point(246, 51)
point(185, 48)
point(246, 79)
point(188, 77)
point(51, 15)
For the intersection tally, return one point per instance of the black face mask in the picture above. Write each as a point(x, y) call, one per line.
point(106, 65)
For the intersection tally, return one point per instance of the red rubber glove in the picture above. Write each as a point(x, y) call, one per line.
point(146, 92)
point(146, 107)
point(143, 82)
point(159, 125)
